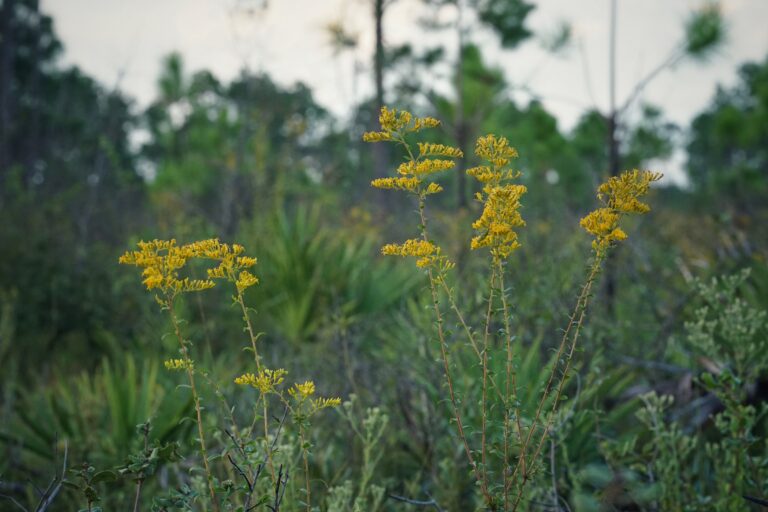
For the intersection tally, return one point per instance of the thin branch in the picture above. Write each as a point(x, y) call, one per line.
point(418, 503)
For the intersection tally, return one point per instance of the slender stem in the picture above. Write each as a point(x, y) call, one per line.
point(446, 365)
point(306, 468)
point(138, 495)
point(510, 379)
point(470, 335)
point(249, 327)
point(575, 322)
point(267, 446)
point(196, 399)
point(484, 408)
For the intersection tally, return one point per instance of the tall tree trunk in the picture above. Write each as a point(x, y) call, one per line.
point(614, 160)
point(460, 123)
point(379, 150)
point(7, 51)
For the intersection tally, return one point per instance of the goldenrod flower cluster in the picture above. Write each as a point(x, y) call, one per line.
point(304, 390)
point(421, 249)
point(179, 364)
point(412, 174)
point(621, 196)
point(162, 260)
point(303, 393)
point(501, 200)
point(232, 265)
point(394, 122)
point(266, 381)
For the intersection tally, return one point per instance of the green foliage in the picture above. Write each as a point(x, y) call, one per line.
point(726, 153)
point(678, 470)
point(314, 275)
point(704, 31)
point(111, 402)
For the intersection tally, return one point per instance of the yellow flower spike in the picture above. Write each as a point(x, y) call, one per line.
point(266, 381)
point(426, 253)
point(419, 248)
point(377, 136)
point(424, 122)
point(407, 184)
point(179, 364)
point(161, 261)
point(245, 280)
point(433, 188)
point(425, 167)
point(621, 195)
point(324, 403)
point(246, 261)
point(302, 391)
point(246, 379)
point(428, 149)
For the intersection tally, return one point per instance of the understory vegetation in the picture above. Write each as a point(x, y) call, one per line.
point(450, 303)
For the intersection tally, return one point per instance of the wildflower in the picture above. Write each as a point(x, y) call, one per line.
point(420, 168)
point(501, 200)
point(245, 279)
point(411, 174)
point(232, 267)
point(179, 364)
point(407, 184)
point(324, 403)
point(303, 394)
point(162, 260)
point(426, 252)
point(429, 149)
point(302, 391)
point(621, 196)
point(266, 381)
point(498, 220)
point(622, 193)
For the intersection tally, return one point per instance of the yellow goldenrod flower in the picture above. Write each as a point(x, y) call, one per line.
point(395, 125)
point(622, 193)
point(501, 200)
point(426, 252)
point(302, 391)
point(377, 136)
point(433, 188)
point(402, 183)
point(324, 403)
point(161, 261)
point(621, 196)
point(245, 279)
point(419, 168)
point(179, 364)
point(499, 219)
point(429, 149)
point(266, 381)
point(495, 150)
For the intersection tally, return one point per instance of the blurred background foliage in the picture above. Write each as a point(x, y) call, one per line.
point(85, 172)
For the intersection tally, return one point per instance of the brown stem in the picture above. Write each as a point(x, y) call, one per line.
point(487, 334)
point(249, 327)
point(470, 335)
point(576, 320)
point(306, 469)
point(511, 378)
point(196, 399)
point(266, 439)
point(446, 365)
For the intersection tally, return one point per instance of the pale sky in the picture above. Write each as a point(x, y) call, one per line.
point(127, 39)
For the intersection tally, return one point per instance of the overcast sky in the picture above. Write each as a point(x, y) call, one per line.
point(125, 40)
